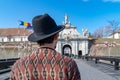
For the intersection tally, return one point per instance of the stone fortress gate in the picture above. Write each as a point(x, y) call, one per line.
point(71, 41)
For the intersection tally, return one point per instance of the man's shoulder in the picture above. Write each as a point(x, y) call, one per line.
point(20, 61)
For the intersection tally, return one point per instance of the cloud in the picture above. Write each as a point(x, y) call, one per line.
point(111, 0)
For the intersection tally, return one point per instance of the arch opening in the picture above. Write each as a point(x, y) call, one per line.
point(67, 50)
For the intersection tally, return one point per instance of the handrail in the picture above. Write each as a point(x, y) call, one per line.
point(5, 70)
point(7, 62)
point(112, 59)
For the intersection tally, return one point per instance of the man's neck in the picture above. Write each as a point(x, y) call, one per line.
point(48, 45)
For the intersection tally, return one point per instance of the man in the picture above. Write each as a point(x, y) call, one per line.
point(45, 63)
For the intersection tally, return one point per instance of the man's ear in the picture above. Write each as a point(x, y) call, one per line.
point(56, 36)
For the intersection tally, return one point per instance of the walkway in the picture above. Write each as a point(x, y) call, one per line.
point(89, 71)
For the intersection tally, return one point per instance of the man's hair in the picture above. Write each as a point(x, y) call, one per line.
point(46, 40)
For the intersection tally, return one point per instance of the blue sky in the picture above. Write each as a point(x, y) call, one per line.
point(90, 14)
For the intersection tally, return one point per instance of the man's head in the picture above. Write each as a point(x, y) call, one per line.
point(49, 40)
point(44, 27)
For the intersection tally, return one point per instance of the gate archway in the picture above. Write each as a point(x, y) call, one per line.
point(66, 50)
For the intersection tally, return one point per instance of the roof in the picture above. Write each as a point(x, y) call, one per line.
point(14, 32)
point(118, 31)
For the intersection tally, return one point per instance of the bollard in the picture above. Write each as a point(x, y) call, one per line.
point(87, 58)
point(111, 62)
point(116, 65)
point(96, 60)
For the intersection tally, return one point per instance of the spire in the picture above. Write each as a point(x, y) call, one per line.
point(66, 19)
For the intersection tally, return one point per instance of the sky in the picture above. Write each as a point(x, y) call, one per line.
point(89, 14)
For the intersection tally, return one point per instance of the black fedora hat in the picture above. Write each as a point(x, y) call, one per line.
point(43, 27)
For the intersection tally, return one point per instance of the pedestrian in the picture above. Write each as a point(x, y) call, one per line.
point(45, 63)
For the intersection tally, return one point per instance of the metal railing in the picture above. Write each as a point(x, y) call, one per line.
point(115, 60)
point(5, 66)
point(7, 62)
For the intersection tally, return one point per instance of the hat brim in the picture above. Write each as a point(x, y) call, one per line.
point(34, 37)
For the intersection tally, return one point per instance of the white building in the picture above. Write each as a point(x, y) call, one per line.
point(115, 35)
point(13, 34)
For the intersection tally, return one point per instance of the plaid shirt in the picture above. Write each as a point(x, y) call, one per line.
point(45, 64)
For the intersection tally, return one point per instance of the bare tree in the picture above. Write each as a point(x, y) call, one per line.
point(99, 32)
point(107, 30)
point(114, 26)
